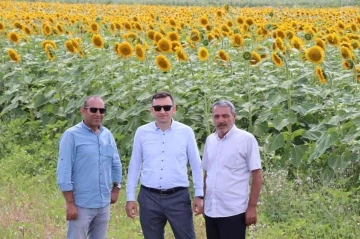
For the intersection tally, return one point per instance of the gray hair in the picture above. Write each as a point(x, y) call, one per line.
point(224, 103)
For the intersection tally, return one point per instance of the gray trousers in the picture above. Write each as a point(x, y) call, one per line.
point(156, 210)
point(92, 223)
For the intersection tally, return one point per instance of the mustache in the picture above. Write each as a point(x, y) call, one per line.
point(221, 124)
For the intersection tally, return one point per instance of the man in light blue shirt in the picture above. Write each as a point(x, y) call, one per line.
point(161, 153)
point(89, 173)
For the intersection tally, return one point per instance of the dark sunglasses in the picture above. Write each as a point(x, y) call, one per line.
point(94, 110)
point(165, 107)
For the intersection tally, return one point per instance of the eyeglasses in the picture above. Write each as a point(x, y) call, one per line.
point(165, 107)
point(94, 110)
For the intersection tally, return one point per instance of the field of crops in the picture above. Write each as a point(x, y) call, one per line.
point(293, 75)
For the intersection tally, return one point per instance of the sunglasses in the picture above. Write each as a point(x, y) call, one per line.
point(94, 110)
point(165, 107)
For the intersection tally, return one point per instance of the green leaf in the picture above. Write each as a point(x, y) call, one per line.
point(277, 142)
point(39, 100)
point(326, 140)
point(339, 163)
point(297, 154)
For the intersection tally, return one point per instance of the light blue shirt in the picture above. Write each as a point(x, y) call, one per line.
point(162, 158)
point(88, 164)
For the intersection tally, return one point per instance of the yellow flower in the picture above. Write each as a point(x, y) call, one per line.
point(163, 63)
point(27, 30)
point(14, 37)
point(157, 36)
point(175, 45)
point(277, 59)
point(127, 26)
point(131, 35)
point(94, 27)
point(320, 74)
point(43, 44)
point(140, 52)
point(203, 21)
point(76, 43)
point(50, 52)
point(280, 33)
point(2, 27)
point(249, 21)
point(319, 42)
point(125, 49)
point(181, 55)
point(223, 55)
point(279, 44)
point(150, 34)
point(345, 52)
point(164, 45)
point(315, 54)
point(240, 20)
point(255, 58)
point(348, 64)
point(69, 46)
point(355, 44)
point(237, 40)
point(203, 54)
point(297, 43)
point(14, 56)
point(47, 30)
point(59, 28)
point(18, 25)
point(173, 36)
point(333, 39)
point(195, 35)
point(97, 41)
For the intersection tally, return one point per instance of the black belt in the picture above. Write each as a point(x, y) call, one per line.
point(163, 191)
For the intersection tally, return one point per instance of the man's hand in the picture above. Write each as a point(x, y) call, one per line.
point(114, 195)
point(131, 209)
point(71, 211)
point(250, 216)
point(198, 206)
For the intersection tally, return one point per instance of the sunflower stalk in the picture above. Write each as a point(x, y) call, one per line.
point(289, 102)
point(249, 92)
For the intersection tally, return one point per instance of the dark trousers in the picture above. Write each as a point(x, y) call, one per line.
point(233, 227)
point(156, 210)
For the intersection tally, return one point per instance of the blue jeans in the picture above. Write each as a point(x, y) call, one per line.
point(91, 223)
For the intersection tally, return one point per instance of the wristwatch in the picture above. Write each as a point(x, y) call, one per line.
point(118, 185)
point(201, 197)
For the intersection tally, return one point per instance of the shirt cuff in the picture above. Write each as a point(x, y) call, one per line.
point(130, 197)
point(199, 192)
point(66, 187)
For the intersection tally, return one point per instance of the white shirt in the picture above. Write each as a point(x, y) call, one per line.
point(162, 159)
point(228, 163)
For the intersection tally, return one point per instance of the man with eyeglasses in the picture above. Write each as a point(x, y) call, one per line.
point(89, 173)
point(161, 153)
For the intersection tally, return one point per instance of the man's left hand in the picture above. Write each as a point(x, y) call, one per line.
point(114, 195)
point(250, 216)
point(198, 206)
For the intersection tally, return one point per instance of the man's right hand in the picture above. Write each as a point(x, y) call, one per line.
point(71, 211)
point(131, 209)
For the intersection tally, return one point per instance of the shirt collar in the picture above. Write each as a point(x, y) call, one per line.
point(172, 126)
point(88, 128)
point(228, 134)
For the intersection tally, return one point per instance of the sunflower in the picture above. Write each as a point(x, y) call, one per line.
point(203, 54)
point(249, 21)
point(297, 43)
point(333, 39)
point(280, 33)
point(157, 36)
point(163, 63)
point(345, 52)
point(240, 20)
point(76, 43)
point(358, 72)
point(290, 34)
point(43, 44)
point(210, 37)
point(275, 57)
point(219, 13)
point(315, 54)
point(195, 35)
point(355, 44)
point(191, 43)
point(140, 52)
point(164, 45)
point(279, 44)
point(125, 49)
point(97, 41)
point(223, 55)
point(47, 30)
point(27, 30)
point(255, 58)
point(18, 25)
point(69, 46)
point(175, 45)
point(181, 55)
point(50, 52)
point(14, 56)
point(348, 64)
point(112, 27)
point(150, 34)
point(237, 40)
point(173, 36)
point(204, 21)
point(59, 28)
point(14, 37)
point(127, 26)
point(131, 35)
point(319, 42)
point(2, 27)
point(320, 74)
point(172, 22)
point(137, 26)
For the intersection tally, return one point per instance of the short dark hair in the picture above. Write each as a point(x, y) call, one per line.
point(162, 94)
point(90, 97)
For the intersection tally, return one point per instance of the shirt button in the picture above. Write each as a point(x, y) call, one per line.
point(163, 151)
point(160, 178)
point(163, 142)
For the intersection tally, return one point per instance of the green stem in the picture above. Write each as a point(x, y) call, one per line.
point(249, 93)
point(289, 141)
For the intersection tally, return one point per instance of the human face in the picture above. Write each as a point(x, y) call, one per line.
point(93, 120)
point(223, 119)
point(162, 116)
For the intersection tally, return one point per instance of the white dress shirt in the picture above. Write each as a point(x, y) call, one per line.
point(228, 163)
point(162, 159)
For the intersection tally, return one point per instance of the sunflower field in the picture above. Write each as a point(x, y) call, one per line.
point(292, 73)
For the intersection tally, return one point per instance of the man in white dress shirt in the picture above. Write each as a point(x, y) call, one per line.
point(161, 152)
point(231, 157)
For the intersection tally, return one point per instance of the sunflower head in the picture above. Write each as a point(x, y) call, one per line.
point(163, 63)
point(164, 45)
point(203, 54)
point(319, 42)
point(175, 45)
point(140, 52)
point(125, 49)
point(173, 36)
point(247, 56)
point(320, 74)
point(315, 54)
point(181, 55)
point(14, 56)
point(94, 27)
point(14, 37)
point(43, 44)
point(223, 55)
point(345, 52)
point(50, 52)
point(2, 27)
point(348, 64)
point(237, 40)
point(277, 59)
point(97, 41)
point(195, 35)
point(69, 46)
point(255, 58)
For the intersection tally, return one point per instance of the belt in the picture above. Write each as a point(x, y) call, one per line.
point(163, 192)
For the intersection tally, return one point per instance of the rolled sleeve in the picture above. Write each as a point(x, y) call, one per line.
point(65, 162)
